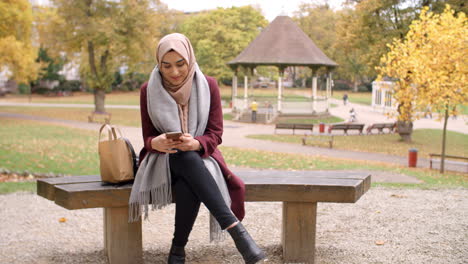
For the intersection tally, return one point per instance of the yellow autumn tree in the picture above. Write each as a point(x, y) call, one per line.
point(17, 54)
point(431, 67)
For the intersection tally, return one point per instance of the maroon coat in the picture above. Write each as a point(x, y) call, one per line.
point(209, 140)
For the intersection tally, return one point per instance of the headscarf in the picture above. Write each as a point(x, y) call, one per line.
point(181, 92)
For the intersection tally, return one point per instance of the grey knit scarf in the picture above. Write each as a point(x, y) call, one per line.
point(152, 183)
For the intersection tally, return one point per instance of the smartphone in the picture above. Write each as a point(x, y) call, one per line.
point(173, 135)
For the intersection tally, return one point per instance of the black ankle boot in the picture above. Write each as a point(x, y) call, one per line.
point(176, 255)
point(245, 244)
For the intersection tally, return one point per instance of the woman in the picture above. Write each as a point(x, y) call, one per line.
point(177, 98)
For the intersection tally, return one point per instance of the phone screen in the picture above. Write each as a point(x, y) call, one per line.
point(173, 135)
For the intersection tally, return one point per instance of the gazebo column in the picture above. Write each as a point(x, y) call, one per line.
point(246, 87)
point(252, 81)
point(374, 90)
point(280, 89)
point(329, 76)
point(234, 89)
point(314, 90)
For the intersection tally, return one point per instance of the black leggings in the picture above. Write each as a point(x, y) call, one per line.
point(193, 183)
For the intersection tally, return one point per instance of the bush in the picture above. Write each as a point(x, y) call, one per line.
point(41, 90)
point(24, 88)
point(69, 86)
point(365, 87)
point(131, 82)
point(342, 85)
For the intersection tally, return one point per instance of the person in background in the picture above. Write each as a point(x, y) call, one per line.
point(352, 115)
point(254, 108)
point(345, 98)
point(180, 98)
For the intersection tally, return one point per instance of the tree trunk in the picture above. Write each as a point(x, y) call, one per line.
point(405, 129)
point(444, 135)
point(355, 86)
point(99, 99)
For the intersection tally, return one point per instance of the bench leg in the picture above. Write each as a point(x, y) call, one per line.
point(122, 240)
point(298, 234)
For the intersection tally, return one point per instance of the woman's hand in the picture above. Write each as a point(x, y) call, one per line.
point(188, 143)
point(163, 144)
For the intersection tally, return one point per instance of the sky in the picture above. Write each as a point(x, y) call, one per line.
point(270, 8)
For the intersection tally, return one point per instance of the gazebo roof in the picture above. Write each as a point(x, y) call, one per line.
point(282, 44)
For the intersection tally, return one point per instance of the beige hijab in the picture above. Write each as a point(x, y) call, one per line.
point(181, 92)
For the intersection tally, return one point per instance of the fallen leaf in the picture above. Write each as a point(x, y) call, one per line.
point(398, 196)
point(62, 220)
point(379, 242)
point(377, 212)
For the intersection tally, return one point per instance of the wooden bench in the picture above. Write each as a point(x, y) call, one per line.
point(300, 191)
point(294, 127)
point(94, 115)
point(437, 158)
point(321, 138)
point(380, 127)
point(345, 127)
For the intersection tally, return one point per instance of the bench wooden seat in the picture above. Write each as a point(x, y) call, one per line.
point(300, 191)
point(94, 116)
point(380, 127)
point(345, 127)
point(321, 138)
point(294, 127)
point(458, 160)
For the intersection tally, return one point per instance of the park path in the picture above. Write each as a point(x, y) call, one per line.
point(235, 133)
point(367, 115)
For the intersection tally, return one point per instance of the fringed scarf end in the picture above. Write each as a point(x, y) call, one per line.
point(158, 198)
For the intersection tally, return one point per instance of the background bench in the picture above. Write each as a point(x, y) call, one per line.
point(380, 127)
point(294, 127)
point(458, 160)
point(345, 127)
point(97, 115)
point(300, 191)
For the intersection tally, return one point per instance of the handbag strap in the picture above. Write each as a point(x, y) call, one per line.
point(111, 131)
point(134, 156)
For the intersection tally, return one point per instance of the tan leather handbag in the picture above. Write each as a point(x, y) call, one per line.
point(117, 159)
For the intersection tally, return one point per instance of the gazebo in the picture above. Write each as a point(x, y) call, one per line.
point(283, 44)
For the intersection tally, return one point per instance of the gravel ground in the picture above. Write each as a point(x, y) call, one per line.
point(412, 226)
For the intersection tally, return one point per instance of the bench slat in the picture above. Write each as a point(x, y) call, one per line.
point(45, 187)
point(258, 188)
point(361, 175)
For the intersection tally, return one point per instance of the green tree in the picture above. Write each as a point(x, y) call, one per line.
point(431, 67)
point(318, 21)
point(16, 51)
point(218, 36)
point(103, 35)
point(51, 66)
point(365, 30)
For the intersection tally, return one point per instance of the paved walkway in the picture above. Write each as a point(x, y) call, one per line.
point(235, 133)
point(367, 115)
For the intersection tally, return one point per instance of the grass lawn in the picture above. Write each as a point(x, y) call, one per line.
point(289, 93)
point(425, 140)
point(463, 109)
point(328, 120)
point(44, 148)
point(123, 117)
point(364, 98)
point(273, 160)
point(114, 98)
